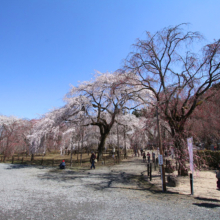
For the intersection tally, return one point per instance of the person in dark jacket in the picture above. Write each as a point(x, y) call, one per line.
point(148, 157)
point(144, 156)
point(63, 165)
point(92, 160)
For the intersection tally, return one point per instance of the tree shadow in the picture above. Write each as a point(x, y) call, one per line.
point(19, 166)
point(207, 205)
point(104, 181)
point(207, 199)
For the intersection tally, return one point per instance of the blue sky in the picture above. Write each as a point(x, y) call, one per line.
point(46, 45)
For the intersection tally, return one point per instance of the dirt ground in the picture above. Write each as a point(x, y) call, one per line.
point(204, 183)
point(107, 192)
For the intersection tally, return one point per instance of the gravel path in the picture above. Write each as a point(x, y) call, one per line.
point(118, 192)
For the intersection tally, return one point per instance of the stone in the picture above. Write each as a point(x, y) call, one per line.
point(172, 181)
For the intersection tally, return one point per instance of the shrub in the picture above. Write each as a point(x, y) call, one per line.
point(212, 158)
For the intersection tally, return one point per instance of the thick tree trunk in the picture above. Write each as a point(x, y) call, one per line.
point(101, 147)
point(32, 157)
point(181, 153)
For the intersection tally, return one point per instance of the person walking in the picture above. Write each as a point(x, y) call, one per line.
point(92, 160)
point(144, 156)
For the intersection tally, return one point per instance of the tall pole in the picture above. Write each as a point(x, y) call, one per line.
point(161, 151)
point(118, 140)
point(71, 155)
point(82, 138)
point(125, 141)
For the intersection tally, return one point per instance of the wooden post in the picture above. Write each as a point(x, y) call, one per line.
point(71, 154)
point(81, 158)
point(191, 183)
point(150, 171)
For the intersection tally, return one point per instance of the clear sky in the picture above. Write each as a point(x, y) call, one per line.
point(46, 45)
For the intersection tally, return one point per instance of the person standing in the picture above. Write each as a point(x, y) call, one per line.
point(141, 151)
point(148, 157)
point(92, 160)
point(153, 157)
point(144, 156)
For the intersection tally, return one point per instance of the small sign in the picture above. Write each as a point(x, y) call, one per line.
point(160, 158)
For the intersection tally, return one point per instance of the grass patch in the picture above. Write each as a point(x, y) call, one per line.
point(54, 159)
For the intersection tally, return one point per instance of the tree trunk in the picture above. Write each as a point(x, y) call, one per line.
point(32, 157)
point(125, 147)
point(101, 147)
point(78, 153)
point(181, 155)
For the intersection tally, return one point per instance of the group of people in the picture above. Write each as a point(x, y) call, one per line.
point(92, 161)
point(147, 156)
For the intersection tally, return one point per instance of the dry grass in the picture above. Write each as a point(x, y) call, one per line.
point(53, 159)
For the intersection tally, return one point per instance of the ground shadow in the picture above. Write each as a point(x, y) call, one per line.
point(207, 199)
point(207, 205)
point(19, 166)
point(105, 181)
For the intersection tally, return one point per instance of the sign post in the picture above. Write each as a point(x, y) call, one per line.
point(160, 158)
point(160, 161)
point(190, 149)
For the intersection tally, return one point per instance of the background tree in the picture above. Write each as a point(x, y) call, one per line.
point(13, 135)
point(204, 123)
point(178, 78)
point(102, 102)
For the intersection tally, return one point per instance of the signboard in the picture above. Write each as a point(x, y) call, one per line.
point(190, 149)
point(160, 159)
